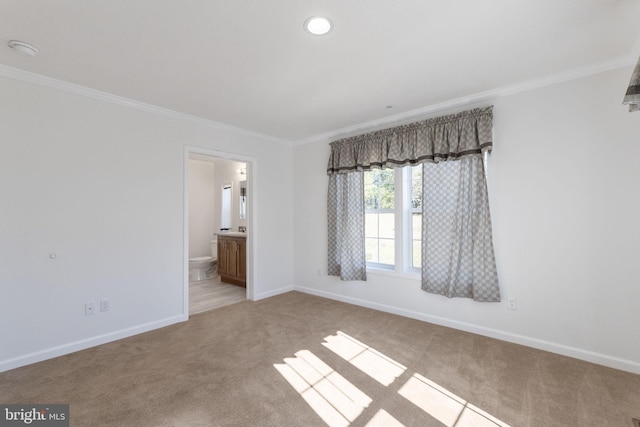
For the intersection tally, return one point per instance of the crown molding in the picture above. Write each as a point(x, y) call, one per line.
point(471, 100)
point(40, 80)
point(370, 126)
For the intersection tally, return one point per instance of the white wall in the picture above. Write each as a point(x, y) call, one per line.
point(101, 185)
point(563, 182)
point(202, 207)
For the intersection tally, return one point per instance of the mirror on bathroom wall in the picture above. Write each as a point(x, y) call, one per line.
point(243, 199)
point(225, 204)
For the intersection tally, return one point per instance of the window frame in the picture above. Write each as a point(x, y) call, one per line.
point(379, 265)
point(403, 237)
point(408, 212)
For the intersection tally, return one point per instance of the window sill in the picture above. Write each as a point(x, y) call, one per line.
point(392, 273)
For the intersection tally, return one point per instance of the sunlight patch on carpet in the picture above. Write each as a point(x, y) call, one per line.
point(383, 419)
point(370, 361)
point(330, 395)
point(444, 406)
point(338, 402)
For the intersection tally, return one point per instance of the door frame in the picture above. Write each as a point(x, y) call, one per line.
point(252, 189)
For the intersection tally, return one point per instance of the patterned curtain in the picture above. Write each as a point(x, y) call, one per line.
point(457, 248)
point(345, 212)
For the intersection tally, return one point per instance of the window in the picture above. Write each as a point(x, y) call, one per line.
point(415, 211)
point(393, 218)
point(456, 255)
point(379, 205)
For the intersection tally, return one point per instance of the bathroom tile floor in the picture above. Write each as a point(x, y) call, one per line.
point(208, 294)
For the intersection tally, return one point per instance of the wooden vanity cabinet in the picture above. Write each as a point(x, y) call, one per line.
point(232, 260)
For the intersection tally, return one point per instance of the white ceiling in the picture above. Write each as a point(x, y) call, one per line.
point(249, 64)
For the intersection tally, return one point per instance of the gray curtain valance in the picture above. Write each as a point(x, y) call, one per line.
point(433, 140)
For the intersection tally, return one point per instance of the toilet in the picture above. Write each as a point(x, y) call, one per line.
point(204, 267)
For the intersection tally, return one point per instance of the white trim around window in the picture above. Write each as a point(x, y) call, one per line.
point(403, 241)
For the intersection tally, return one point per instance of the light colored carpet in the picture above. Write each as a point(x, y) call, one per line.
point(300, 360)
point(210, 294)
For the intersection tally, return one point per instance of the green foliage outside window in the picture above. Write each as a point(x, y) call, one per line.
point(379, 189)
point(416, 186)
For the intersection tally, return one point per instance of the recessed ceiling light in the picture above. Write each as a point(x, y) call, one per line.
point(318, 25)
point(23, 48)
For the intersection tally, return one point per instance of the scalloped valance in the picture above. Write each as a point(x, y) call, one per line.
point(433, 140)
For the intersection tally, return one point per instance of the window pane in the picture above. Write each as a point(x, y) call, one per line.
point(371, 225)
point(371, 249)
point(387, 189)
point(416, 254)
point(387, 251)
point(387, 225)
point(379, 189)
point(416, 226)
point(416, 243)
point(416, 186)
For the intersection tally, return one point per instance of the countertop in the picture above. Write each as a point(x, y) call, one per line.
point(231, 234)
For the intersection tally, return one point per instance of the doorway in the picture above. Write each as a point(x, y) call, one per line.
point(213, 182)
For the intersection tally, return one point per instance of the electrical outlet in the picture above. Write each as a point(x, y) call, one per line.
point(89, 308)
point(104, 305)
point(512, 303)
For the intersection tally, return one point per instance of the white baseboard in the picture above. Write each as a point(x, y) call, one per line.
point(577, 353)
point(272, 293)
point(72, 347)
point(61, 350)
